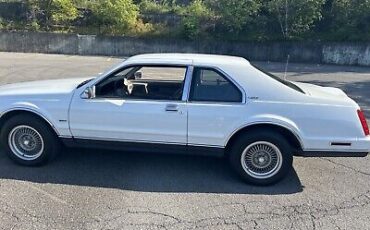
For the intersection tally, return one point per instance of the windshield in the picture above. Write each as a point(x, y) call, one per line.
point(285, 82)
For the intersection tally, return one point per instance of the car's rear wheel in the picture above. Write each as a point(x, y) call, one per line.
point(261, 157)
point(28, 140)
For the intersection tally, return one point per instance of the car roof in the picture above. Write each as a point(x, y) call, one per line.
point(187, 58)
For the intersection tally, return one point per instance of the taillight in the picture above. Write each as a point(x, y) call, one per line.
point(362, 118)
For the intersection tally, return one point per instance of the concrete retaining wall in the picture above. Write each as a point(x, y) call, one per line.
point(347, 54)
point(313, 52)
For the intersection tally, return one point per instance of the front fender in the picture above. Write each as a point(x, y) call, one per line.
point(32, 108)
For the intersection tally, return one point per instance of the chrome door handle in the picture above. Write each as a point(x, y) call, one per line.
point(172, 108)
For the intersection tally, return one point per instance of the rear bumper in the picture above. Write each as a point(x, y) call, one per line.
point(347, 147)
point(331, 154)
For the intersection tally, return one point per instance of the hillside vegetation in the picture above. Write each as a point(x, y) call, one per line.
point(242, 20)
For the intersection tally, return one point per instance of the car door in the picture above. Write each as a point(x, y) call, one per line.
point(215, 108)
point(135, 116)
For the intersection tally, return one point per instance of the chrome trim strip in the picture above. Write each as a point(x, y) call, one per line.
point(204, 145)
point(128, 140)
point(336, 150)
point(180, 102)
point(32, 111)
point(216, 103)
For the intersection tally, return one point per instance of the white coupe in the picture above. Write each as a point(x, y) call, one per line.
point(184, 103)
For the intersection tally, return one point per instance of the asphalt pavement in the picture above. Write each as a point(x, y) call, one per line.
point(95, 189)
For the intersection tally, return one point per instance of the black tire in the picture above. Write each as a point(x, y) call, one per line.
point(255, 137)
point(51, 143)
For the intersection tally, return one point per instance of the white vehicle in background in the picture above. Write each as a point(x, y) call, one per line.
point(184, 103)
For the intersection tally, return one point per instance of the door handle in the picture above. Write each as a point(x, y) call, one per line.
point(172, 108)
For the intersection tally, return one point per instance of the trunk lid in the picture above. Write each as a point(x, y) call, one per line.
point(331, 94)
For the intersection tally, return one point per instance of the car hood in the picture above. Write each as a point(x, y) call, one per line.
point(39, 88)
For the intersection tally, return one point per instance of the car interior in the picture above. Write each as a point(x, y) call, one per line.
point(142, 82)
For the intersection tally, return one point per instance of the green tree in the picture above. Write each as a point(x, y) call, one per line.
point(295, 17)
point(118, 15)
point(233, 15)
point(351, 19)
point(196, 20)
point(52, 11)
point(63, 11)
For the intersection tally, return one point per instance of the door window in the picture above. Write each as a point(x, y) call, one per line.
point(144, 82)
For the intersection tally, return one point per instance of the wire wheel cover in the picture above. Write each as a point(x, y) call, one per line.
point(26, 142)
point(261, 159)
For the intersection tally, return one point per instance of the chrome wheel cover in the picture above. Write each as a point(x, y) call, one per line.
point(261, 160)
point(26, 142)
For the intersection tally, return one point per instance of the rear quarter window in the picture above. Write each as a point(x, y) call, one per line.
point(211, 85)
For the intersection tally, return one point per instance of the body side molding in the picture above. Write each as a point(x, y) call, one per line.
point(144, 146)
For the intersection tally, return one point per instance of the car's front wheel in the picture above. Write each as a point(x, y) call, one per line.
point(261, 157)
point(29, 140)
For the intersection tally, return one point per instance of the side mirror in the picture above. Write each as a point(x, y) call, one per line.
point(88, 93)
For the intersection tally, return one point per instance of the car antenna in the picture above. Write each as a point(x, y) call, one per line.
point(286, 66)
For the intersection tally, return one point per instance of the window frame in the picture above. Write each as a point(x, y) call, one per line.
point(112, 74)
point(222, 74)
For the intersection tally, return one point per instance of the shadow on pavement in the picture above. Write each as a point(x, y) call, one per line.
point(143, 172)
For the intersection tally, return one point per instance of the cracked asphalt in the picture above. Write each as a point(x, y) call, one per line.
point(94, 189)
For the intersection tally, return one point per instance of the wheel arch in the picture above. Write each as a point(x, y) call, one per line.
point(16, 111)
point(291, 136)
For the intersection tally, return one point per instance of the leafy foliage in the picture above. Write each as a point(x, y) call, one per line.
point(120, 15)
point(53, 11)
point(351, 19)
point(255, 20)
point(233, 15)
point(63, 11)
point(196, 20)
point(295, 17)
point(153, 7)
point(1, 23)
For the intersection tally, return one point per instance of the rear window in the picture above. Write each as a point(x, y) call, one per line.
point(282, 81)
